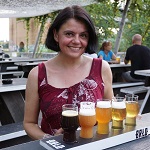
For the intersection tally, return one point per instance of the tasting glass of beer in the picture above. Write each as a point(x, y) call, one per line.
point(118, 59)
point(69, 122)
point(118, 112)
point(103, 116)
point(132, 109)
point(87, 119)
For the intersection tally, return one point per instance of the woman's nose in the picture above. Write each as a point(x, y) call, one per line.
point(76, 39)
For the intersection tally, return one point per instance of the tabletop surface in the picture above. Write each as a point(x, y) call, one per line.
point(17, 84)
point(28, 63)
point(140, 143)
point(23, 60)
point(143, 72)
point(122, 64)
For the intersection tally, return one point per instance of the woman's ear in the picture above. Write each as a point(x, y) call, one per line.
point(55, 35)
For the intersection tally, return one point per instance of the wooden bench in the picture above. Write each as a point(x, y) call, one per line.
point(134, 90)
point(126, 84)
point(11, 131)
point(13, 134)
point(12, 68)
point(118, 85)
point(139, 90)
point(15, 73)
point(12, 107)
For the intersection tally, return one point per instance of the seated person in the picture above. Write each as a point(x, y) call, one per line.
point(106, 53)
point(139, 56)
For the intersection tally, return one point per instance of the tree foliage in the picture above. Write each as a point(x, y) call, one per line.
point(107, 14)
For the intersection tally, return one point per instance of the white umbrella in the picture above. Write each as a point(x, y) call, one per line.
point(31, 8)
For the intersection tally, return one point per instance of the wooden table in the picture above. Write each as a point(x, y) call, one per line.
point(12, 101)
point(26, 67)
point(146, 103)
point(118, 138)
point(118, 69)
point(5, 64)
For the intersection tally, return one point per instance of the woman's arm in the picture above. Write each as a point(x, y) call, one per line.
point(100, 57)
point(113, 57)
point(107, 78)
point(32, 106)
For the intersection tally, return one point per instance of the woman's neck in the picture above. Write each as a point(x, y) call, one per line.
point(106, 52)
point(68, 62)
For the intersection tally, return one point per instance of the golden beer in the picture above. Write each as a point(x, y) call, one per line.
point(118, 59)
point(103, 116)
point(118, 114)
point(87, 119)
point(132, 109)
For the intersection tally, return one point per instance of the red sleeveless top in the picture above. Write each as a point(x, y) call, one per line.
point(52, 99)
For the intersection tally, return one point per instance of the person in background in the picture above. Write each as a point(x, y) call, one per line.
point(21, 47)
point(68, 78)
point(106, 53)
point(139, 56)
point(1, 48)
point(1, 53)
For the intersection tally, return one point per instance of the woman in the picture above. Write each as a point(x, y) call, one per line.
point(106, 52)
point(21, 47)
point(70, 77)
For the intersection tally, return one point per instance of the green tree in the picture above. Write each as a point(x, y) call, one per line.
point(139, 22)
point(105, 14)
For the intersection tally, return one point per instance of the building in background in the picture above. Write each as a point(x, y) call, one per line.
point(18, 33)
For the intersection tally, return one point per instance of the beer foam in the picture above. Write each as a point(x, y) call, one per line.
point(118, 105)
point(70, 113)
point(103, 104)
point(87, 112)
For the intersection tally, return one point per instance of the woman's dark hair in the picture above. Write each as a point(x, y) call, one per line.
point(77, 13)
point(105, 43)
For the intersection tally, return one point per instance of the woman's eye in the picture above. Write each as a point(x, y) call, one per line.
point(84, 36)
point(69, 34)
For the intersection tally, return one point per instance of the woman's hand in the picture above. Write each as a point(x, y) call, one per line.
point(59, 131)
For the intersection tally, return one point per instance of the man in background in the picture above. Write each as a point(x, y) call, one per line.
point(139, 56)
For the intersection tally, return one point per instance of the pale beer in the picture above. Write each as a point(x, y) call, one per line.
point(132, 109)
point(103, 116)
point(118, 114)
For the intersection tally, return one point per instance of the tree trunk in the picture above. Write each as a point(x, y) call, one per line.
point(122, 23)
point(37, 42)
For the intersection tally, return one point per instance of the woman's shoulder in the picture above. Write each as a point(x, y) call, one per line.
point(105, 65)
point(34, 72)
point(101, 51)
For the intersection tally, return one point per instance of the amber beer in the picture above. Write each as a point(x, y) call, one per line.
point(118, 114)
point(69, 123)
point(132, 109)
point(87, 120)
point(118, 59)
point(103, 116)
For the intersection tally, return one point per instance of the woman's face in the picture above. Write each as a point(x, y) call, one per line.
point(72, 38)
point(108, 47)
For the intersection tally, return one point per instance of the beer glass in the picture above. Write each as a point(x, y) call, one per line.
point(87, 119)
point(103, 116)
point(132, 109)
point(118, 59)
point(69, 122)
point(118, 112)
